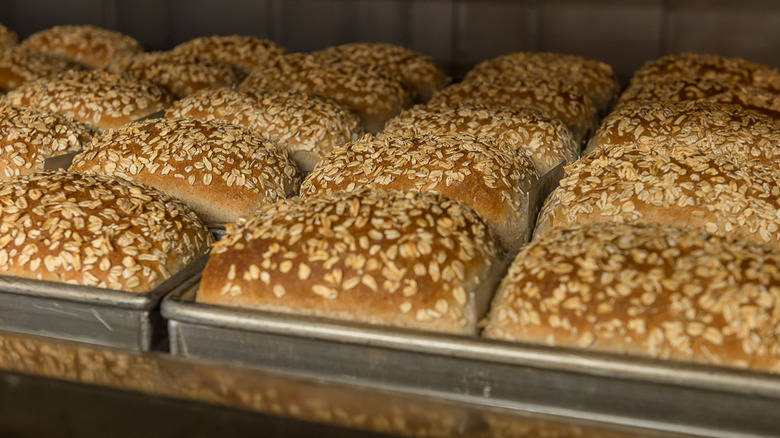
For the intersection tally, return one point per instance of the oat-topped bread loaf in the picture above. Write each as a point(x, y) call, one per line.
point(490, 178)
point(553, 96)
point(544, 139)
point(28, 136)
point(8, 38)
point(714, 67)
point(595, 78)
point(85, 44)
point(370, 92)
point(95, 231)
point(221, 171)
point(640, 183)
point(101, 99)
point(683, 89)
point(181, 73)
point(418, 72)
point(648, 290)
point(19, 66)
point(243, 52)
point(716, 128)
point(307, 126)
point(413, 260)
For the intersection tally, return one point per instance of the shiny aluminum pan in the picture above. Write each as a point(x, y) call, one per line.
point(660, 395)
point(89, 314)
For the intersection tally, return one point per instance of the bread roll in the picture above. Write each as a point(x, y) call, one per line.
point(180, 73)
point(95, 231)
point(8, 38)
point(553, 96)
point(220, 170)
point(29, 136)
point(369, 92)
point(647, 290)
point(596, 79)
point(418, 72)
point(640, 183)
point(544, 139)
point(101, 99)
point(683, 89)
point(712, 127)
point(411, 260)
point(307, 126)
point(19, 66)
point(713, 67)
point(491, 179)
point(245, 53)
point(85, 44)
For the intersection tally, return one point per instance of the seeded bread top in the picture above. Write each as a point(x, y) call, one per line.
point(243, 52)
point(85, 44)
point(8, 38)
point(95, 231)
point(19, 66)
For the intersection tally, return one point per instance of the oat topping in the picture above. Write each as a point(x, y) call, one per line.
point(88, 45)
point(243, 52)
point(220, 170)
point(19, 66)
point(28, 136)
point(545, 140)
point(412, 258)
point(488, 177)
point(95, 231)
point(99, 98)
point(642, 289)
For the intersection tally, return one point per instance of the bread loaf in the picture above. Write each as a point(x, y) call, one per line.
point(19, 66)
point(101, 99)
point(29, 136)
point(95, 231)
point(85, 44)
point(307, 126)
point(544, 139)
point(646, 290)
point(596, 79)
point(220, 170)
point(8, 38)
point(489, 178)
point(669, 186)
point(369, 92)
point(418, 72)
point(723, 129)
point(242, 52)
point(412, 260)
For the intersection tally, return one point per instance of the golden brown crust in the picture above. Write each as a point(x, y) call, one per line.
point(307, 126)
point(220, 170)
point(85, 44)
point(183, 74)
point(490, 178)
point(552, 96)
point(684, 89)
point(381, 257)
point(723, 129)
point(545, 140)
point(713, 67)
point(369, 92)
point(418, 72)
point(95, 231)
point(101, 99)
point(649, 290)
point(28, 136)
point(19, 66)
point(639, 183)
point(240, 51)
point(8, 38)
point(596, 79)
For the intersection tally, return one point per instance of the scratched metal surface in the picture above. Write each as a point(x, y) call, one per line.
point(89, 314)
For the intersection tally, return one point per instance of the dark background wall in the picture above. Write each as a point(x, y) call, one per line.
point(457, 33)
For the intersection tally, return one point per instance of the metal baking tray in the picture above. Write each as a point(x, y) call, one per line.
point(660, 395)
point(90, 314)
point(60, 161)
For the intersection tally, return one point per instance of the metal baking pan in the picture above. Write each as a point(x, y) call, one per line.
point(60, 161)
point(90, 314)
point(660, 395)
